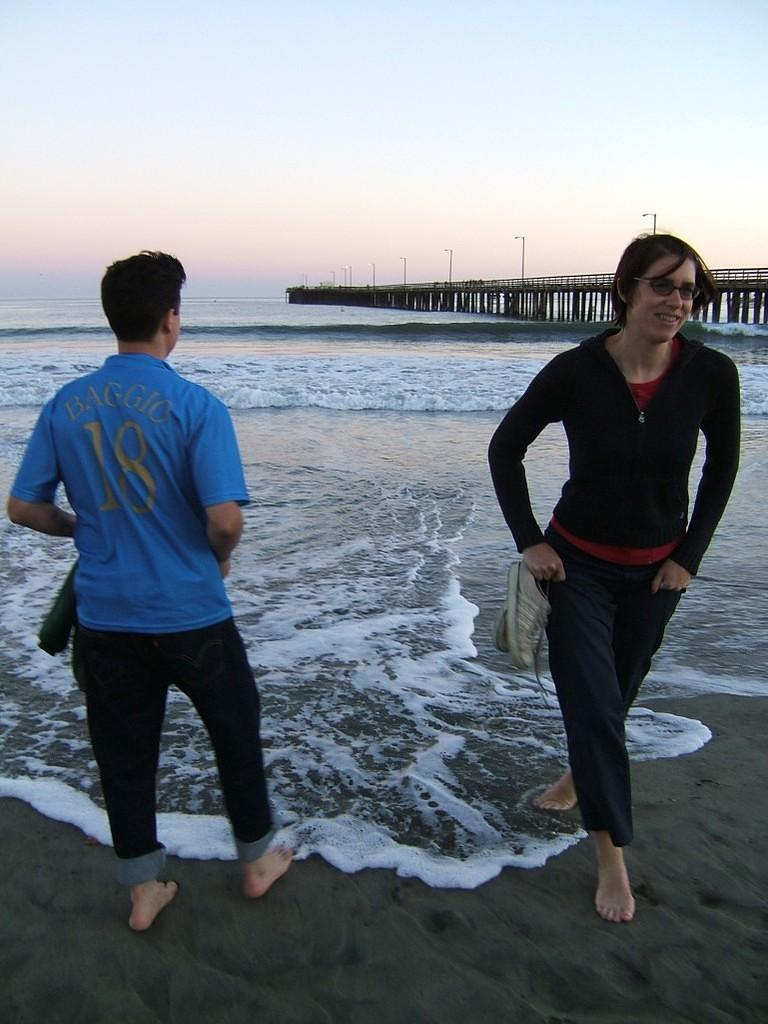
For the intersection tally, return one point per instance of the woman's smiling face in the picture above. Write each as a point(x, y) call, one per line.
point(659, 317)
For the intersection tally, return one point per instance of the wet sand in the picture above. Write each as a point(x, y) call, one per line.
point(373, 948)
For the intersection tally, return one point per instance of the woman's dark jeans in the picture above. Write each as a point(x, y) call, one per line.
point(604, 628)
point(128, 675)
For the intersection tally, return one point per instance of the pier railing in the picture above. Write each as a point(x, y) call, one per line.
point(741, 296)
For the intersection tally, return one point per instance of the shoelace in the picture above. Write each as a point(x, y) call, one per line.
point(544, 587)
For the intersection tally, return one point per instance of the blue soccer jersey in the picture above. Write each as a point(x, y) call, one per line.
point(141, 453)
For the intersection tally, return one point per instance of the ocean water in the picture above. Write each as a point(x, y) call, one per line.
point(366, 586)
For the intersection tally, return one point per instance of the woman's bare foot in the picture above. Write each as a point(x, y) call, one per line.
point(148, 899)
point(260, 875)
point(613, 900)
point(559, 797)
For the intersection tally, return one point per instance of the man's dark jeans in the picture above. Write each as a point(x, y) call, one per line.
point(604, 628)
point(128, 675)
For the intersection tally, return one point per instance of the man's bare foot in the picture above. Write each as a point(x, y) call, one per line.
point(613, 900)
point(260, 875)
point(559, 797)
point(148, 899)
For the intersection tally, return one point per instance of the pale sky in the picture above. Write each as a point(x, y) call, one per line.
point(266, 143)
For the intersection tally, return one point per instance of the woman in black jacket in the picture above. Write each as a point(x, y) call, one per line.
point(620, 547)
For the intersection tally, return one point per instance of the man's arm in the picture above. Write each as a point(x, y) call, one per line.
point(224, 527)
point(42, 516)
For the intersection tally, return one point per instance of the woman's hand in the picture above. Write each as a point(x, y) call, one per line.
point(544, 562)
point(670, 576)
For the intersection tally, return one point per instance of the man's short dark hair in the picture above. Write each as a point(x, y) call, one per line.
point(137, 292)
point(640, 254)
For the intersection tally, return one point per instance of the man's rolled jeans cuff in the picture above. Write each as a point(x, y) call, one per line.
point(247, 852)
point(135, 870)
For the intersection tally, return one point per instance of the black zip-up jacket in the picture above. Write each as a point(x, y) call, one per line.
point(628, 471)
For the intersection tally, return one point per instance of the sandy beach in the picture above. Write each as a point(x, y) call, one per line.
point(323, 946)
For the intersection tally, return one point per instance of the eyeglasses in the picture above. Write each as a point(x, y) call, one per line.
point(663, 286)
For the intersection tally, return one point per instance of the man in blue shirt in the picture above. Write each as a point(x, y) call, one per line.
point(151, 468)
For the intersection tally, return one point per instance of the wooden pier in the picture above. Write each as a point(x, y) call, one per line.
point(742, 297)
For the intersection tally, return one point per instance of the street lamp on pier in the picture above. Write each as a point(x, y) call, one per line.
point(405, 265)
point(373, 268)
point(333, 277)
point(654, 220)
point(522, 258)
point(450, 264)
point(345, 269)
